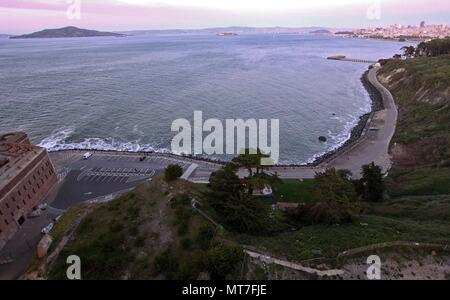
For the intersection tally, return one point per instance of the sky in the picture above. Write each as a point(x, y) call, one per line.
point(23, 16)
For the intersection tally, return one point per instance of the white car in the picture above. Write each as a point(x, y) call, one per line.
point(46, 230)
point(87, 155)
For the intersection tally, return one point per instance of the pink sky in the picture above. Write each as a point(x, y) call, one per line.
point(22, 16)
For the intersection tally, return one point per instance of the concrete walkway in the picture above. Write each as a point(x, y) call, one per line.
point(268, 260)
point(373, 145)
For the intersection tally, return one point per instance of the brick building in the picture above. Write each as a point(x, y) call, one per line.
point(26, 177)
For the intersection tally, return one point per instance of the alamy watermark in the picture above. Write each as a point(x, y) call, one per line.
point(374, 270)
point(232, 137)
point(74, 270)
point(73, 11)
point(374, 10)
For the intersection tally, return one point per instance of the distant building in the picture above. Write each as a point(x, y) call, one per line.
point(422, 24)
point(26, 177)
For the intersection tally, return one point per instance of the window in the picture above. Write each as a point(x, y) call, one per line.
point(7, 205)
point(19, 193)
point(6, 222)
point(1, 213)
point(21, 220)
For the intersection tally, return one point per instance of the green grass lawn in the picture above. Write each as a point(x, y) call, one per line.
point(294, 191)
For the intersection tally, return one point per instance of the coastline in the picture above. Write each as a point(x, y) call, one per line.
point(357, 131)
point(355, 135)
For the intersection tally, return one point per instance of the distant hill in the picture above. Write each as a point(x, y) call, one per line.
point(3, 36)
point(66, 32)
point(321, 31)
point(237, 30)
point(344, 32)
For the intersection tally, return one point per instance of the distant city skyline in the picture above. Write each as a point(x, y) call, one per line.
point(23, 16)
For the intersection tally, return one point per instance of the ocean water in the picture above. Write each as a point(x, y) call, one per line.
point(124, 93)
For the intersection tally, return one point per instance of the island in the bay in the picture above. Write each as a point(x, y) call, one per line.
point(66, 32)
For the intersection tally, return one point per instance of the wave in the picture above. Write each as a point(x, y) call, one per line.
point(58, 141)
point(340, 139)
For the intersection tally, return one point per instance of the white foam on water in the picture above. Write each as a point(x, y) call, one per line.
point(58, 141)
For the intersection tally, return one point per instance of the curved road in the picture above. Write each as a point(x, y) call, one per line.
point(373, 146)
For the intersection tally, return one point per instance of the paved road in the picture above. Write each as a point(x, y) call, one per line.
point(21, 248)
point(374, 145)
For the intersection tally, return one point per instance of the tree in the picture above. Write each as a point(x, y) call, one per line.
point(433, 48)
point(372, 182)
point(237, 210)
point(173, 172)
point(251, 159)
point(408, 51)
point(224, 184)
point(245, 214)
point(334, 200)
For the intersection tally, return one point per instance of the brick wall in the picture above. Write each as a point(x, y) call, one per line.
point(24, 193)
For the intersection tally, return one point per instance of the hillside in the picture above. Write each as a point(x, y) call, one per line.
point(66, 32)
point(421, 145)
point(150, 233)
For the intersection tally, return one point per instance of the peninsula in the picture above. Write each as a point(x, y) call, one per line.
point(66, 32)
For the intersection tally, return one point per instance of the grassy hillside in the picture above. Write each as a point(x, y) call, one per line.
point(153, 233)
point(421, 145)
point(150, 233)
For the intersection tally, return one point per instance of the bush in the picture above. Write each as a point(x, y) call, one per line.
point(186, 244)
point(165, 263)
point(173, 172)
point(223, 261)
point(204, 236)
point(139, 242)
point(322, 213)
point(372, 183)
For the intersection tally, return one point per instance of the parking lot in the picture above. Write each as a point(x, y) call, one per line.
point(102, 175)
point(115, 175)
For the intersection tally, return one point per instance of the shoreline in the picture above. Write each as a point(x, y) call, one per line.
point(355, 135)
point(357, 131)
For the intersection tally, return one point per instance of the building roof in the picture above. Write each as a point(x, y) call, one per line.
point(15, 155)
